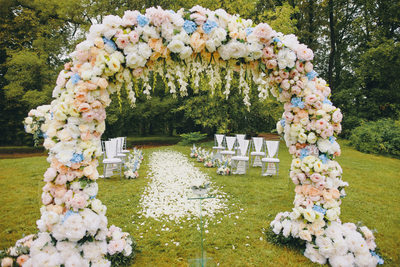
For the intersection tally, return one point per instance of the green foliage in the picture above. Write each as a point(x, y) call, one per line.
point(119, 259)
point(280, 240)
point(378, 137)
point(192, 138)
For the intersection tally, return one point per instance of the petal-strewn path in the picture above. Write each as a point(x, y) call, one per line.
point(166, 196)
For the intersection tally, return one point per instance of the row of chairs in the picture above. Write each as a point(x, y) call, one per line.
point(114, 155)
point(256, 152)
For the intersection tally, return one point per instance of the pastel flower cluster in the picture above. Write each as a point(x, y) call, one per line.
point(36, 118)
point(224, 166)
point(132, 164)
point(119, 242)
point(339, 244)
point(18, 254)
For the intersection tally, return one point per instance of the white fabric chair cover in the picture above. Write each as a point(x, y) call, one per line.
point(241, 160)
point(230, 142)
point(258, 144)
point(272, 160)
point(219, 142)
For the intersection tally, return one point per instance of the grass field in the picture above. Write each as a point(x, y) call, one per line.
point(373, 198)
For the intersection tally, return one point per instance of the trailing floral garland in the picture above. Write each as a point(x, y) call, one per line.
point(212, 48)
point(210, 160)
point(132, 164)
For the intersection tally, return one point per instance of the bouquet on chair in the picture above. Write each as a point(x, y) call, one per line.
point(210, 161)
point(132, 165)
point(224, 166)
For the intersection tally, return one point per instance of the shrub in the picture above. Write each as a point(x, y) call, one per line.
point(191, 138)
point(378, 137)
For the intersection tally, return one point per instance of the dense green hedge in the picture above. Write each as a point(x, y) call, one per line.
point(378, 137)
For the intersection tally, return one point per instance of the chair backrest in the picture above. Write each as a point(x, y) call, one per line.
point(272, 148)
point(111, 148)
point(120, 144)
point(240, 136)
point(230, 142)
point(219, 139)
point(124, 142)
point(243, 147)
point(103, 148)
point(258, 143)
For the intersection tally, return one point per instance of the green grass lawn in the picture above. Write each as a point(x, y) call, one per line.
point(373, 198)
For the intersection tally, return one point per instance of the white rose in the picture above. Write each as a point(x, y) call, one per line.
point(332, 214)
point(312, 138)
point(309, 215)
point(176, 46)
point(28, 120)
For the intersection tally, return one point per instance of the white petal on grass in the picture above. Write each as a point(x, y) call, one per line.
point(166, 196)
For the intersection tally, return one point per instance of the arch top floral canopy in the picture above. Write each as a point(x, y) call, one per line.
point(190, 48)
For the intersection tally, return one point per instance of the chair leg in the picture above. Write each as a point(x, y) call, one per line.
point(104, 170)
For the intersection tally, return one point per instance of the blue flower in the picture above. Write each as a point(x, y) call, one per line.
point(380, 260)
point(332, 139)
point(283, 122)
point(276, 40)
point(75, 78)
point(248, 31)
point(296, 102)
point(142, 20)
point(327, 101)
point(76, 158)
point(304, 153)
point(319, 209)
point(209, 26)
point(311, 75)
point(189, 26)
point(324, 158)
point(110, 43)
point(93, 197)
point(51, 115)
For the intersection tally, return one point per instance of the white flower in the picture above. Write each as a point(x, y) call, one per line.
point(332, 214)
point(91, 221)
point(286, 58)
point(94, 250)
point(313, 254)
point(342, 261)
point(309, 215)
point(312, 138)
point(287, 226)
point(176, 46)
point(290, 41)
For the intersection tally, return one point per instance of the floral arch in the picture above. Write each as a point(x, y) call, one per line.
point(189, 47)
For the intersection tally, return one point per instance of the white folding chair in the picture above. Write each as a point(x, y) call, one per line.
point(258, 147)
point(124, 150)
point(230, 142)
point(110, 160)
point(238, 138)
point(219, 143)
point(270, 164)
point(120, 148)
point(241, 161)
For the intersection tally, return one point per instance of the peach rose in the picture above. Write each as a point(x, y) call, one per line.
point(81, 96)
point(102, 83)
point(50, 174)
point(60, 191)
point(84, 107)
point(86, 136)
point(313, 192)
point(327, 195)
point(335, 193)
point(7, 262)
point(55, 208)
point(22, 259)
point(197, 42)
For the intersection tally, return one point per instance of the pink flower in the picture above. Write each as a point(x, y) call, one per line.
point(296, 90)
point(70, 176)
point(84, 107)
point(61, 179)
point(115, 246)
point(46, 198)
point(263, 31)
point(321, 124)
point(283, 74)
point(299, 66)
point(158, 16)
point(292, 149)
point(122, 41)
point(50, 174)
point(81, 96)
point(134, 37)
point(130, 18)
point(288, 115)
point(337, 116)
point(268, 52)
point(60, 80)
point(316, 177)
point(285, 84)
point(300, 84)
point(271, 64)
point(78, 201)
point(304, 53)
point(60, 191)
point(320, 185)
point(22, 259)
point(308, 66)
point(310, 99)
point(88, 116)
point(302, 177)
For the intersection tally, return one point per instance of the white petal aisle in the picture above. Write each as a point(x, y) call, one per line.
point(166, 196)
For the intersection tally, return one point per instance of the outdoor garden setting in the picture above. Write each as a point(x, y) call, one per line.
point(231, 133)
